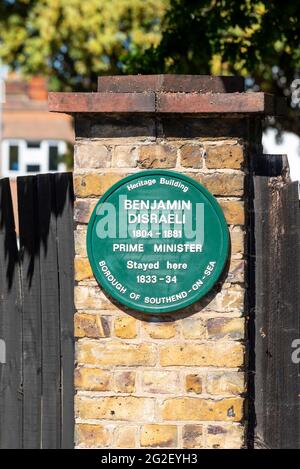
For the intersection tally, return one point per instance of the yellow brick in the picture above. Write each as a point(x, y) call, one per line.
point(159, 436)
point(191, 156)
point(156, 330)
point(117, 353)
point(193, 383)
point(233, 328)
point(128, 408)
point(92, 436)
point(223, 382)
point(91, 298)
point(126, 437)
point(157, 156)
point(80, 242)
point(83, 209)
point(91, 325)
point(160, 382)
point(225, 354)
point(125, 156)
point(231, 299)
point(83, 269)
point(233, 211)
point(237, 242)
point(91, 155)
point(226, 184)
point(189, 408)
point(193, 328)
point(236, 271)
point(93, 184)
point(124, 381)
point(192, 436)
point(126, 327)
point(224, 156)
point(225, 436)
point(92, 379)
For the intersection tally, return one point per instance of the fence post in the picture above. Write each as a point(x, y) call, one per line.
point(277, 305)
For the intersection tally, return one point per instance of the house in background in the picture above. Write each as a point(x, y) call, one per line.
point(33, 139)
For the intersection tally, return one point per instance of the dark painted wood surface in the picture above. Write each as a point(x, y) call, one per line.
point(31, 306)
point(65, 256)
point(36, 316)
point(49, 281)
point(277, 313)
point(10, 327)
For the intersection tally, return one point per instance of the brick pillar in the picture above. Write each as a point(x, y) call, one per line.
point(175, 380)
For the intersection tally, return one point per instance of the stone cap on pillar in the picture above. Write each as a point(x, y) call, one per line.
point(170, 84)
point(168, 94)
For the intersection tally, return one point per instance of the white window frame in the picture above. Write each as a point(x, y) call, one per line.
point(41, 158)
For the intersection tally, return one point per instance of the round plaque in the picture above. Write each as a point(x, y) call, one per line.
point(157, 241)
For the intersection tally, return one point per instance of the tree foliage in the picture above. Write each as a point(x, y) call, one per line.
point(258, 39)
point(74, 41)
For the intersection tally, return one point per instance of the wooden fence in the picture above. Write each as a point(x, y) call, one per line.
point(36, 313)
point(274, 325)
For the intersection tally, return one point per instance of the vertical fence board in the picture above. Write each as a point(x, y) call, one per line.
point(31, 298)
point(51, 405)
point(289, 312)
point(261, 214)
point(10, 327)
point(64, 207)
point(277, 272)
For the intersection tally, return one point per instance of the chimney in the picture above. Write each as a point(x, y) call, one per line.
point(37, 88)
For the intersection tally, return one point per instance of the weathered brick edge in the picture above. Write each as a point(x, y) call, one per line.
point(166, 103)
point(170, 83)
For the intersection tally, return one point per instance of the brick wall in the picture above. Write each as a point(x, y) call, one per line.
point(173, 380)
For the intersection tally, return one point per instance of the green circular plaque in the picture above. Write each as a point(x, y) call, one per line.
point(157, 241)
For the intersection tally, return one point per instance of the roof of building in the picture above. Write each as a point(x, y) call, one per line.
point(26, 115)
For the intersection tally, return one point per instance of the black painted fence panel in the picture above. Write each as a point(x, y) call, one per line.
point(277, 313)
point(36, 314)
